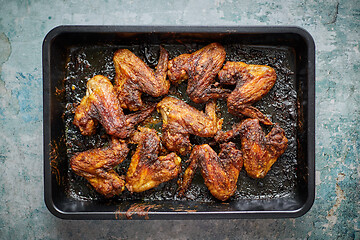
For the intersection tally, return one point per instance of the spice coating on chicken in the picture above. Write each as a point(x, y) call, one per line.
point(134, 77)
point(96, 166)
point(180, 120)
point(260, 151)
point(200, 68)
point(252, 83)
point(220, 172)
point(147, 169)
point(101, 105)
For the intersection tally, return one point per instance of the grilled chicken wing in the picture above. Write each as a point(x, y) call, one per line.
point(134, 77)
point(147, 170)
point(220, 173)
point(252, 83)
point(97, 165)
point(260, 151)
point(101, 105)
point(200, 68)
point(180, 120)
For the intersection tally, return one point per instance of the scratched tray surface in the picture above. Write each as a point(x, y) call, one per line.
point(280, 104)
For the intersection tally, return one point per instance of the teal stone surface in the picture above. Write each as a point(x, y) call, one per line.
point(335, 27)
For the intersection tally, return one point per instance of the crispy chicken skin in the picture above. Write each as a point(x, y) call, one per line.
point(101, 105)
point(252, 83)
point(220, 172)
point(147, 170)
point(134, 77)
point(96, 166)
point(180, 120)
point(260, 151)
point(200, 68)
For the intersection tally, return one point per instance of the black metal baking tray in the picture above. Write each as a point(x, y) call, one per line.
point(72, 54)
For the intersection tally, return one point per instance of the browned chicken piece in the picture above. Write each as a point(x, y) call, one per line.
point(200, 68)
point(147, 169)
point(101, 105)
point(252, 83)
point(134, 77)
point(96, 166)
point(220, 173)
point(180, 120)
point(260, 151)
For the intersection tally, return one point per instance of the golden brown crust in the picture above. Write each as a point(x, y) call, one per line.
point(220, 172)
point(180, 120)
point(252, 83)
point(147, 170)
point(96, 166)
point(101, 105)
point(200, 68)
point(134, 77)
point(260, 151)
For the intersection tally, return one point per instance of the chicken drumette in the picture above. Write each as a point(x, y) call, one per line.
point(252, 83)
point(97, 165)
point(101, 105)
point(259, 151)
point(220, 173)
point(200, 68)
point(134, 77)
point(180, 120)
point(147, 170)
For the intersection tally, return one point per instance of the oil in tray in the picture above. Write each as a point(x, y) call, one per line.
point(280, 105)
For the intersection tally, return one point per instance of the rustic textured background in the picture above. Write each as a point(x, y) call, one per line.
point(335, 26)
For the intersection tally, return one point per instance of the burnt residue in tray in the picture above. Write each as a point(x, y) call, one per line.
point(280, 105)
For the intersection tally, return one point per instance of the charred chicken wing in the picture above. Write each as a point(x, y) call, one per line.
point(134, 77)
point(260, 151)
point(97, 165)
point(101, 105)
point(147, 170)
point(220, 173)
point(200, 68)
point(252, 83)
point(180, 120)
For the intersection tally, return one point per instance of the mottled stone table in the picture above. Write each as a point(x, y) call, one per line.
point(335, 26)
